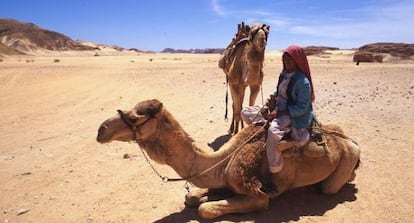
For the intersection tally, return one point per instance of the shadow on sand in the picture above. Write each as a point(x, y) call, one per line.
point(290, 206)
point(219, 141)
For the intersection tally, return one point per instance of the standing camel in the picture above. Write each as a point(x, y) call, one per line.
point(239, 165)
point(242, 62)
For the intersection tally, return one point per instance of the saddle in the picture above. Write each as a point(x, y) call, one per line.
point(242, 36)
point(317, 145)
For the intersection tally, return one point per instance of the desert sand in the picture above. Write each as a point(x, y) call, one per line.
point(53, 170)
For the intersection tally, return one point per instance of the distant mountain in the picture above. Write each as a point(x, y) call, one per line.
point(198, 51)
point(25, 38)
point(312, 50)
point(376, 52)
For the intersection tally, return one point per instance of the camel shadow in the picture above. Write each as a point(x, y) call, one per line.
point(219, 141)
point(290, 206)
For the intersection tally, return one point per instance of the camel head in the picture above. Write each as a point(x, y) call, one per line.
point(137, 124)
point(258, 35)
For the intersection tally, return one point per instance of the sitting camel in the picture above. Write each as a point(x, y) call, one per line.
point(239, 165)
point(242, 62)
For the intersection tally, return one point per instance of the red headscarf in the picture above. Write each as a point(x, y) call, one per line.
point(299, 56)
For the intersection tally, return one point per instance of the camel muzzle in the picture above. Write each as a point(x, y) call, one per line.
point(101, 134)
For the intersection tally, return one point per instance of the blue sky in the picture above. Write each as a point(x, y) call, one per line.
point(184, 24)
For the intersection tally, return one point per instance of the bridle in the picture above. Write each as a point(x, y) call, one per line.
point(256, 31)
point(134, 128)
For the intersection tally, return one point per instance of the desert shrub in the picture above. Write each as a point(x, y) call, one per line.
point(378, 58)
point(56, 60)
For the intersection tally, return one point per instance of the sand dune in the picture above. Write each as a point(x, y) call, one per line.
point(53, 170)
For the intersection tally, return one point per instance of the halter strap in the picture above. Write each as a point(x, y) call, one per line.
point(134, 128)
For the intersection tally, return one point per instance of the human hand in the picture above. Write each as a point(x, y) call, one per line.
point(271, 102)
point(271, 115)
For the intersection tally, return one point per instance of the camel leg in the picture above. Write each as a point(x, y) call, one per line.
point(197, 196)
point(232, 125)
point(237, 204)
point(344, 172)
point(254, 91)
point(242, 90)
point(237, 94)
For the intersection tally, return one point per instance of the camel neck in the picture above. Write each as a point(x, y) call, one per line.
point(188, 159)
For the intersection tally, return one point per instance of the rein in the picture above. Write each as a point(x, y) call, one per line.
point(135, 129)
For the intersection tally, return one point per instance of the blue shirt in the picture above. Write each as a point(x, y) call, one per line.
point(299, 103)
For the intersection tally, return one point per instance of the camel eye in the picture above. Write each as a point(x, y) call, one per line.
point(132, 119)
point(141, 112)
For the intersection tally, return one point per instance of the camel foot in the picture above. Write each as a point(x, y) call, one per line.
point(269, 189)
point(194, 202)
point(237, 204)
point(196, 197)
point(208, 211)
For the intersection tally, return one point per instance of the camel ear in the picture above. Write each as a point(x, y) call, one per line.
point(252, 32)
point(154, 108)
point(266, 28)
point(248, 28)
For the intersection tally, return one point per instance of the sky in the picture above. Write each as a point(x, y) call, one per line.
point(198, 24)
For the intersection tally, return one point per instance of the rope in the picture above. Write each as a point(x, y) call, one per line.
point(166, 179)
point(226, 98)
point(261, 90)
point(163, 178)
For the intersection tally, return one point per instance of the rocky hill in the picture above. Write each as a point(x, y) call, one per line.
point(8, 50)
point(376, 52)
point(26, 38)
point(401, 50)
point(316, 50)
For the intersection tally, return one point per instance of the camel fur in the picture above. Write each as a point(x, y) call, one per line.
point(239, 165)
point(242, 62)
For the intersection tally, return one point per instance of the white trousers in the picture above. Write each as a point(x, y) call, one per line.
point(277, 129)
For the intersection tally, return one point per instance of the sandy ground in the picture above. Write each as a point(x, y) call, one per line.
point(53, 170)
